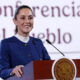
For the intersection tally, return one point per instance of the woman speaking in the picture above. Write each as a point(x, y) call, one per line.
point(20, 49)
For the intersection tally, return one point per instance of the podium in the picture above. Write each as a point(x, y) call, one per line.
point(41, 70)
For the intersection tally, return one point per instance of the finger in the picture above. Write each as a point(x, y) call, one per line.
point(21, 66)
point(20, 71)
point(18, 67)
point(18, 74)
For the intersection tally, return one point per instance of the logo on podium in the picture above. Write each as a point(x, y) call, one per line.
point(64, 69)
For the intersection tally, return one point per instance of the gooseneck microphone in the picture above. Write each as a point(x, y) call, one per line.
point(54, 46)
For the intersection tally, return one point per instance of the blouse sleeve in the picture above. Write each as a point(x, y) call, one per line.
point(5, 69)
point(45, 53)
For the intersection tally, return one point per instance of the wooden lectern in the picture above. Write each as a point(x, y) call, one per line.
point(40, 70)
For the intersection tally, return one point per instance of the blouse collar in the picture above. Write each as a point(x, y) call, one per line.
point(23, 39)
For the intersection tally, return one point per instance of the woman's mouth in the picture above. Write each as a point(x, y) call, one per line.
point(27, 26)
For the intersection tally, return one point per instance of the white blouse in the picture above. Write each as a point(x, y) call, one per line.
point(21, 38)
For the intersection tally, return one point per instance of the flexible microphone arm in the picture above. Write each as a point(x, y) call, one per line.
point(54, 46)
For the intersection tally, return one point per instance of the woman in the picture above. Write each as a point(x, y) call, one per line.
point(19, 50)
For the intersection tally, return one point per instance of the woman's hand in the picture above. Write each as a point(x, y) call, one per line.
point(17, 71)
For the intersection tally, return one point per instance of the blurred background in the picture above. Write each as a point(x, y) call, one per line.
point(55, 20)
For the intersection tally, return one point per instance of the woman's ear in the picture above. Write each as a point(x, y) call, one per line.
point(15, 21)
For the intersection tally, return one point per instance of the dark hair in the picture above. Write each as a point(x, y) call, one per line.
point(17, 11)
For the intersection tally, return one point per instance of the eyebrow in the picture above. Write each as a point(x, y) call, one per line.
point(28, 15)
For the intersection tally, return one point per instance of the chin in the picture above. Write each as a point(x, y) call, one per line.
point(26, 32)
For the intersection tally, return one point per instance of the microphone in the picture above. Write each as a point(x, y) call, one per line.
point(36, 49)
point(54, 47)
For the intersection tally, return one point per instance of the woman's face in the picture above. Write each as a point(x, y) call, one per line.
point(24, 21)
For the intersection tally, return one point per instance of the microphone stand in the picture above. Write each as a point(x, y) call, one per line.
point(54, 46)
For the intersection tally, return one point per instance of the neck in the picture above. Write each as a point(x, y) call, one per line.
point(24, 35)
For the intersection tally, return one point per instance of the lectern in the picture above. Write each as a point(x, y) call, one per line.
point(41, 70)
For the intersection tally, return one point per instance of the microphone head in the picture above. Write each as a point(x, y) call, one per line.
point(48, 41)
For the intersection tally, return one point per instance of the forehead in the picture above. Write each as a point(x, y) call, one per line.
point(25, 11)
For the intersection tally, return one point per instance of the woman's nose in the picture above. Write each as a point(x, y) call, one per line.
point(27, 20)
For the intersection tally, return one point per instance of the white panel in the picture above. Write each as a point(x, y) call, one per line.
point(63, 31)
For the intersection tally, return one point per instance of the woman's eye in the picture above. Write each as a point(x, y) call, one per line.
point(30, 18)
point(22, 17)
